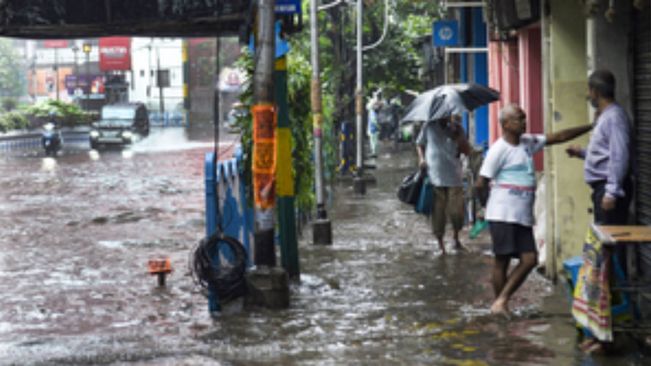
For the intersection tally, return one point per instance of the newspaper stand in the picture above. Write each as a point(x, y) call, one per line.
point(629, 238)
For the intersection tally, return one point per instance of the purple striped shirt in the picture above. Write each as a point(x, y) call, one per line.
point(607, 155)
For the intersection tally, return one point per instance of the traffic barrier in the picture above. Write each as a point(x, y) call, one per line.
point(230, 213)
point(167, 119)
point(32, 141)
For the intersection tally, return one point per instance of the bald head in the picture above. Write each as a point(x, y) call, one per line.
point(509, 111)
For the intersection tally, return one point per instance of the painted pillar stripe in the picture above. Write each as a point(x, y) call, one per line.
point(284, 176)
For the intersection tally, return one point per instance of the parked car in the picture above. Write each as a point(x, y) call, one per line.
point(120, 124)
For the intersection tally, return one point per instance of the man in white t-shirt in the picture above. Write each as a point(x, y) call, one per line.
point(509, 168)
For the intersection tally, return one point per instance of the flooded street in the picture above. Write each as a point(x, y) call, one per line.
point(76, 233)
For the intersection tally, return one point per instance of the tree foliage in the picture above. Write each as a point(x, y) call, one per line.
point(12, 72)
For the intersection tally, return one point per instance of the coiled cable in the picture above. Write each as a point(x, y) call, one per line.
point(226, 277)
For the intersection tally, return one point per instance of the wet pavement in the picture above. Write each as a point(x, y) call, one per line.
point(76, 233)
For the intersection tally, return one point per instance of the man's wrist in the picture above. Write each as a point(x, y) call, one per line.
point(610, 196)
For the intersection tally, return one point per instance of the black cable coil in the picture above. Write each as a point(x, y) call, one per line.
point(225, 278)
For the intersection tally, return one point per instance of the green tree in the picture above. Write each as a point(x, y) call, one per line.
point(12, 73)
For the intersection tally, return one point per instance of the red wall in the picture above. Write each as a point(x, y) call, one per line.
point(516, 71)
point(531, 83)
point(503, 76)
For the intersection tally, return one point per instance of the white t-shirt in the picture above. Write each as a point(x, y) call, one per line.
point(513, 186)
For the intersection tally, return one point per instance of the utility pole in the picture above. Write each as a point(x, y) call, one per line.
point(86, 47)
point(268, 284)
point(75, 49)
point(322, 227)
point(56, 71)
point(161, 102)
point(359, 184)
point(263, 136)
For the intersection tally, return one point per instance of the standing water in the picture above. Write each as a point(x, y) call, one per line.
point(76, 233)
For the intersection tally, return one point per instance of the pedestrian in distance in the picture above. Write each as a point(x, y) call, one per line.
point(373, 126)
point(607, 166)
point(439, 146)
point(509, 172)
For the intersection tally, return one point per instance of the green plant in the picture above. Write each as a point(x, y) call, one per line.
point(67, 114)
point(300, 118)
point(9, 104)
point(13, 121)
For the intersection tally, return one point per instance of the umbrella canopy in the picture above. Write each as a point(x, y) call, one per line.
point(446, 100)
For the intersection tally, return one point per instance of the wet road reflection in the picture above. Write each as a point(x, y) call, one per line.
point(76, 237)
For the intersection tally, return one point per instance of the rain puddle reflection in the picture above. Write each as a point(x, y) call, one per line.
point(76, 290)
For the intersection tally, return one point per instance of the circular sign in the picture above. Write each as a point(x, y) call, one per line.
point(446, 33)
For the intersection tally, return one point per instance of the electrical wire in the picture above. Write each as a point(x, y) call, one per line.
point(225, 278)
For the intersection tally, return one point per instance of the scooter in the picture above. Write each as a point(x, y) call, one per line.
point(51, 139)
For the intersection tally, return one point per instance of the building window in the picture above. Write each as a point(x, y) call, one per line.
point(142, 73)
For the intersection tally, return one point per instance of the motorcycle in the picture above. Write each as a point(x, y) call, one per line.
point(51, 139)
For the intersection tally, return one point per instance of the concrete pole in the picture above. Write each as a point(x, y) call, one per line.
point(359, 185)
point(161, 101)
point(321, 228)
point(263, 95)
point(56, 69)
point(268, 284)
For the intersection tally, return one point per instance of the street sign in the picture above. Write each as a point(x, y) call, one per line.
point(163, 78)
point(288, 6)
point(445, 33)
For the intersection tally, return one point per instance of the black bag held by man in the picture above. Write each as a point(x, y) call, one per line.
point(410, 188)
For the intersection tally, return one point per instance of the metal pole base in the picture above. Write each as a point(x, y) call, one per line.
point(359, 185)
point(322, 232)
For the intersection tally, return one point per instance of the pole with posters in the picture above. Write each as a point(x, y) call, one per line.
point(268, 284)
point(322, 227)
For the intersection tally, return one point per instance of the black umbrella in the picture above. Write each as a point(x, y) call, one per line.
point(446, 100)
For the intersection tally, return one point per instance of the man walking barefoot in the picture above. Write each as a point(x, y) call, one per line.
point(509, 168)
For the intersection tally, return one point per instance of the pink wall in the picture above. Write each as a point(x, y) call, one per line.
point(515, 71)
point(504, 77)
point(531, 83)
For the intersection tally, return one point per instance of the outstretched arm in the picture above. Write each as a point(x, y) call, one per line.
point(566, 135)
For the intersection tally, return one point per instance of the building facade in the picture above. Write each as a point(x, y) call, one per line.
point(542, 52)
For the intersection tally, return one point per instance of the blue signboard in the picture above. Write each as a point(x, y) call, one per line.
point(288, 6)
point(445, 33)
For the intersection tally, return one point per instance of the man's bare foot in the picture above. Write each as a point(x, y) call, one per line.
point(591, 346)
point(499, 308)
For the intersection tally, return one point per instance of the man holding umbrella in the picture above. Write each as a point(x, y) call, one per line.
point(439, 146)
point(440, 143)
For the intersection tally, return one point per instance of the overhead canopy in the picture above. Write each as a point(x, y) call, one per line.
point(39, 19)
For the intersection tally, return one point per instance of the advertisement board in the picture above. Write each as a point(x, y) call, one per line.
point(115, 53)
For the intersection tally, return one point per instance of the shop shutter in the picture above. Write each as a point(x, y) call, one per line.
point(642, 136)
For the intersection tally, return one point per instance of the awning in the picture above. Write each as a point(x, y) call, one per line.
point(41, 19)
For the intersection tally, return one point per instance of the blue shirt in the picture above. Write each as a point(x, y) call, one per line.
point(607, 155)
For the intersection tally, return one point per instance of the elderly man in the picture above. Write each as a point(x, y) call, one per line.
point(607, 168)
point(509, 167)
point(439, 145)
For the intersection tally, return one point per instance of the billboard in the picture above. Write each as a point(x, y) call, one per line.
point(84, 84)
point(115, 53)
point(55, 43)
